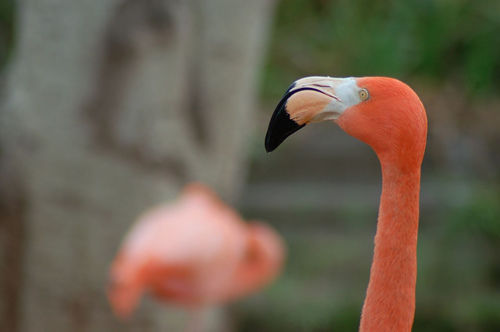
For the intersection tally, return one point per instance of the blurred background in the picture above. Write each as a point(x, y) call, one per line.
point(108, 107)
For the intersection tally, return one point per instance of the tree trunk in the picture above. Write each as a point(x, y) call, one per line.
point(110, 107)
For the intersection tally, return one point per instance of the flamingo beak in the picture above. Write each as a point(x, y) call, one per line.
point(310, 99)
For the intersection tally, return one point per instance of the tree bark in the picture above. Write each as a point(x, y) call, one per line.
point(111, 106)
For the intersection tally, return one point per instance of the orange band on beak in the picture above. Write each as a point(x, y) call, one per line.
point(303, 106)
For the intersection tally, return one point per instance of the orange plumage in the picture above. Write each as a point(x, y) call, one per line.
point(387, 115)
point(193, 252)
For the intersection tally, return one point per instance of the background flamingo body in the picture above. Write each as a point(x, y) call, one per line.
point(194, 252)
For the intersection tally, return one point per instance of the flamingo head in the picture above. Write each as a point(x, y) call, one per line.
point(265, 247)
point(383, 112)
point(261, 263)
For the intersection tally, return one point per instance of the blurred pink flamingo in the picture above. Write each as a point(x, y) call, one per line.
point(194, 252)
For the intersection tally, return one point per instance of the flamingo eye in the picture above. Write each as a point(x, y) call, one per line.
point(363, 94)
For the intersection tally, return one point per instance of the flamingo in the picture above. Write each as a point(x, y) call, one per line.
point(386, 114)
point(194, 252)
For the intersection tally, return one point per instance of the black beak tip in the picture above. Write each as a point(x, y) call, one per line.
point(270, 144)
point(281, 131)
point(280, 126)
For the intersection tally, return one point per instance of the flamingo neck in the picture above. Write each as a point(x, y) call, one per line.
point(390, 298)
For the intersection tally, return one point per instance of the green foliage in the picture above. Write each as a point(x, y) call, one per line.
point(6, 30)
point(431, 39)
point(479, 216)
